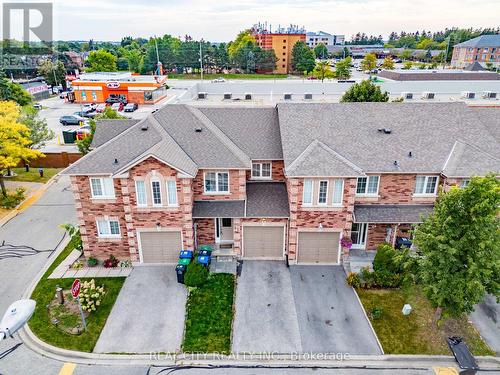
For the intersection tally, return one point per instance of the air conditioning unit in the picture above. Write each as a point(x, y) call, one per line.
point(227, 95)
point(287, 96)
point(248, 96)
point(308, 96)
point(468, 95)
point(407, 95)
point(428, 95)
point(202, 95)
point(489, 95)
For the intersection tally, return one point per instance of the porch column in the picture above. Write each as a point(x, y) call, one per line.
point(396, 227)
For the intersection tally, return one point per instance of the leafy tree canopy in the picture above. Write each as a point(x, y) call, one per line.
point(303, 58)
point(365, 91)
point(101, 61)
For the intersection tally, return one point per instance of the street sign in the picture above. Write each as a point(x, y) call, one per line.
point(75, 288)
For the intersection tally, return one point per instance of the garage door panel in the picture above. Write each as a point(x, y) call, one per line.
point(318, 247)
point(160, 247)
point(263, 242)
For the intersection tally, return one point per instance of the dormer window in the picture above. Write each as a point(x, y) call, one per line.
point(261, 170)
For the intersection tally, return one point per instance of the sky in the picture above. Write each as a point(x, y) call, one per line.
point(220, 20)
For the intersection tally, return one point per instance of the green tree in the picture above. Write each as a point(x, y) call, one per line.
point(405, 54)
point(13, 91)
point(460, 246)
point(243, 40)
point(369, 62)
point(365, 91)
point(321, 51)
point(101, 61)
point(53, 73)
point(388, 63)
point(108, 114)
point(322, 71)
point(343, 68)
point(39, 132)
point(303, 59)
point(135, 59)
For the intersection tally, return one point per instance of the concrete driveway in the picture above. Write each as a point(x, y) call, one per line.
point(148, 314)
point(298, 309)
point(486, 318)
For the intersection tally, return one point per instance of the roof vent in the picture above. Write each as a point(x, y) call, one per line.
point(387, 131)
point(410, 154)
point(144, 127)
point(198, 129)
point(115, 161)
point(396, 163)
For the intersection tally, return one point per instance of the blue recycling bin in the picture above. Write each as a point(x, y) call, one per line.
point(204, 259)
point(186, 254)
point(205, 252)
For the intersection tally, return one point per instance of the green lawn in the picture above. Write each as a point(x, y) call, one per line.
point(209, 316)
point(416, 333)
point(44, 292)
point(32, 175)
point(228, 76)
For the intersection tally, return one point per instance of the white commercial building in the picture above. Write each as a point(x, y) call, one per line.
point(313, 39)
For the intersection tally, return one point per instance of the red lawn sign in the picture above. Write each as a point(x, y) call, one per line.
point(75, 288)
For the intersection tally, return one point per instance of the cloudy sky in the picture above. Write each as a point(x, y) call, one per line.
point(220, 20)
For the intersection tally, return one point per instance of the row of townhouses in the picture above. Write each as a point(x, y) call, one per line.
point(273, 182)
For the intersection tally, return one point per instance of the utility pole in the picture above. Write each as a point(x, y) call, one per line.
point(201, 61)
point(55, 78)
point(446, 53)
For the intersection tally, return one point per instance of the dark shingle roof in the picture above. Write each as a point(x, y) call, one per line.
point(209, 209)
point(474, 67)
point(482, 41)
point(384, 213)
point(106, 130)
point(267, 199)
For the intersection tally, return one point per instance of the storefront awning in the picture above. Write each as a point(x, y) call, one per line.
point(387, 214)
point(208, 209)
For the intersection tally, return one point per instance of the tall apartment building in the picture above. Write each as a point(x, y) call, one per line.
point(281, 41)
point(320, 37)
point(483, 49)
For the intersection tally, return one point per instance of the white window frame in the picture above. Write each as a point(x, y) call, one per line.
point(310, 198)
point(366, 194)
point(362, 235)
point(464, 183)
point(103, 190)
point(334, 204)
point(153, 194)
point(260, 177)
point(426, 181)
point(326, 195)
point(137, 194)
point(217, 191)
point(176, 203)
point(108, 223)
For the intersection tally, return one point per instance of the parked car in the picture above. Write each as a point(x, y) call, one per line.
point(89, 107)
point(87, 114)
point(37, 106)
point(117, 106)
point(130, 107)
point(116, 99)
point(71, 120)
point(82, 132)
point(218, 80)
point(101, 107)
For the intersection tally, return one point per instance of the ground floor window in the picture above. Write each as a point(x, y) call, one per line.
point(358, 235)
point(108, 228)
point(153, 96)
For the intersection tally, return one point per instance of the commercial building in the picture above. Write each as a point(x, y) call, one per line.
point(439, 75)
point(99, 86)
point(37, 88)
point(282, 182)
point(282, 42)
point(484, 49)
point(313, 39)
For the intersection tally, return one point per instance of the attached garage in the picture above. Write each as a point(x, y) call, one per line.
point(263, 242)
point(160, 247)
point(318, 247)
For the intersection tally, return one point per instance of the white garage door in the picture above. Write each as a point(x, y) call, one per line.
point(160, 247)
point(318, 247)
point(263, 242)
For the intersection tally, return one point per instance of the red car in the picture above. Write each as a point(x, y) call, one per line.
point(100, 108)
point(117, 106)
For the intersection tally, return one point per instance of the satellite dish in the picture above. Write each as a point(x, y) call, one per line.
point(16, 316)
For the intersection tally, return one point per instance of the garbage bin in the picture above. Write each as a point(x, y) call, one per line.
point(180, 270)
point(204, 259)
point(205, 252)
point(184, 261)
point(69, 136)
point(462, 355)
point(206, 247)
point(186, 254)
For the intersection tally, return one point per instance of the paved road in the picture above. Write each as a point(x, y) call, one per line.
point(486, 318)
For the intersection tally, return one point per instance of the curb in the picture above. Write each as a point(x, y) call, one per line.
point(34, 196)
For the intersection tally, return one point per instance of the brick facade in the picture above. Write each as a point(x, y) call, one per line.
point(277, 173)
point(237, 186)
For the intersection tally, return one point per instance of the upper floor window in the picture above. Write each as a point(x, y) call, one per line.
point(172, 193)
point(156, 193)
point(308, 192)
point(140, 192)
point(367, 185)
point(216, 182)
point(323, 192)
point(261, 170)
point(426, 185)
point(108, 228)
point(464, 183)
point(102, 188)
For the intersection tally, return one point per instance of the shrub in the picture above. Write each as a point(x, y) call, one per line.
point(91, 295)
point(196, 275)
point(376, 313)
point(111, 262)
point(367, 278)
point(74, 233)
point(92, 262)
point(126, 263)
point(77, 265)
point(354, 280)
point(12, 200)
point(385, 259)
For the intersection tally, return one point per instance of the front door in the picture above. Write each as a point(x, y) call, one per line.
point(358, 235)
point(223, 230)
